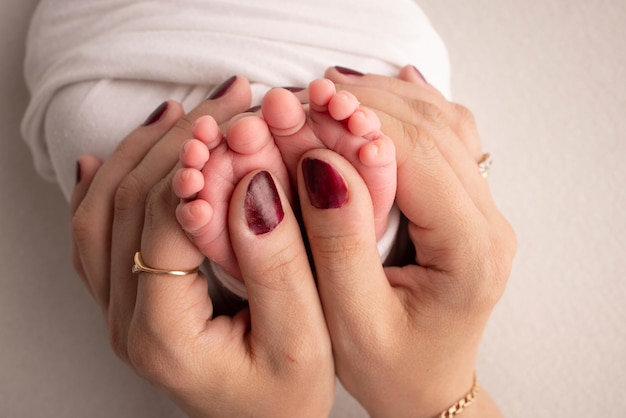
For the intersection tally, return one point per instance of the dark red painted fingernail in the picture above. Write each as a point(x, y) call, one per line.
point(294, 89)
point(324, 185)
point(222, 88)
point(419, 73)
point(156, 115)
point(348, 71)
point(79, 172)
point(262, 205)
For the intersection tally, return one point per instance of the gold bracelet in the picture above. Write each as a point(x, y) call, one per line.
point(462, 403)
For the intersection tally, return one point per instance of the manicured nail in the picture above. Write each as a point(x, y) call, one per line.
point(324, 185)
point(348, 71)
point(156, 115)
point(79, 173)
point(262, 204)
point(221, 90)
point(294, 89)
point(419, 73)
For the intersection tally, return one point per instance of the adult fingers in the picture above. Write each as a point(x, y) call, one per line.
point(286, 319)
point(442, 219)
point(410, 108)
point(420, 99)
point(165, 302)
point(93, 216)
point(447, 224)
point(280, 345)
point(130, 199)
point(86, 169)
point(409, 83)
point(411, 122)
point(338, 216)
point(286, 316)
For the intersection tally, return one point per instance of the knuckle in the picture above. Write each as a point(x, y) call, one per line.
point(280, 263)
point(492, 271)
point(277, 270)
point(464, 126)
point(420, 143)
point(81, 228)
point(462, 115)
point(127, 149)
point(130, 193)
point(337, 253)
point(184, 127)
point(158, 197)
point(432, 114)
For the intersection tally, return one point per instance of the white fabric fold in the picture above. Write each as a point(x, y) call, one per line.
point(203, 42)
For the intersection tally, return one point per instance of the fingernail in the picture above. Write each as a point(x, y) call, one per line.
point(221, 90)
point(294, 89)
point(348, 71)
point(79, 173)
point(262, 204)
point(156, 115)
point(324, 185)
point(419, 73)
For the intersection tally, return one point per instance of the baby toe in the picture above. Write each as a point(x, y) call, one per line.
point(248, 135)
point(206, 129)
point(283, 112)
point(187, 182)
point(342, 105)
point(194, 154)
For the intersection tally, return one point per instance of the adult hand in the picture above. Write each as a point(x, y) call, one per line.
point(272, 360)
point(405, 339)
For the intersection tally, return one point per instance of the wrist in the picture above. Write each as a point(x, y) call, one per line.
point(426, 396)
point(481, 405)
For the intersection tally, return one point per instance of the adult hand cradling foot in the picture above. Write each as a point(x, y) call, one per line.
point(404, 339)
point(274, 360)
point(419, 330)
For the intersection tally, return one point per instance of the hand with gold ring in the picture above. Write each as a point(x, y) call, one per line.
point(405, 339)
point(274, 359)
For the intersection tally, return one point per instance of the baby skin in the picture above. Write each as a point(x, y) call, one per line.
point(212, 165)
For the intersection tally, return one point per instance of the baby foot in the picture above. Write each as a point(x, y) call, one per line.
point(212, 167)
point(337, 122)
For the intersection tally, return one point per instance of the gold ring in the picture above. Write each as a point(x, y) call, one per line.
point(485, 164)
point(140, 267)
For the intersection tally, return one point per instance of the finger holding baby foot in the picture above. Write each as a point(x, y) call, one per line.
point(208, 176)
point(335, 121)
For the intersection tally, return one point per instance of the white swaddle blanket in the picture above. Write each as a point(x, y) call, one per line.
point(200, 43)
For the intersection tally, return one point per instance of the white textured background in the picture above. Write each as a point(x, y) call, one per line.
point(546, 80)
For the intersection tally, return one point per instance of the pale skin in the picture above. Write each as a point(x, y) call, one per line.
point(213, 163)
point(404, 340)
point(464, 249)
